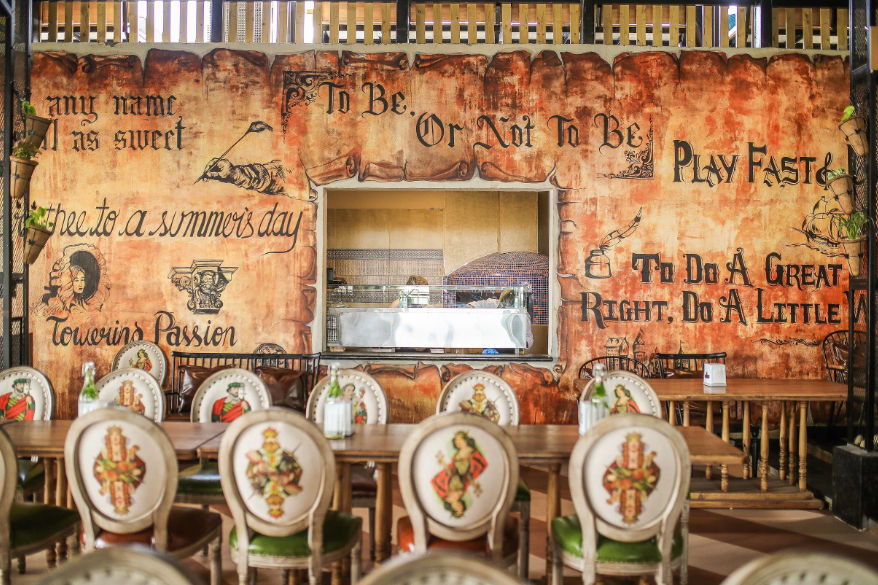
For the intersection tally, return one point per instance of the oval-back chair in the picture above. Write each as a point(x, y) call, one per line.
point(134, 389)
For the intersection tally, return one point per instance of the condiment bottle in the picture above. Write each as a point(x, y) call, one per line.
point(337, 410)
point(88, 397)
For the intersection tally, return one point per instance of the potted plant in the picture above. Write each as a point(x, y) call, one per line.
point(23, 167)
point(35, 127)
point(854, 128)
point(842, 186)
point(852, 236)
point(37, 232)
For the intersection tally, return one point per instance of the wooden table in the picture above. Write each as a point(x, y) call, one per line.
point(792, 394)
point(46, 439)
point(543, 446)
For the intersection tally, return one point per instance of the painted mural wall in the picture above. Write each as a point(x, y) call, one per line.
point(693, 212)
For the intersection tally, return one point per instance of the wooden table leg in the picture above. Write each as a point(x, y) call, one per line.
point(782, 441)
point(763, 450)
point(49, 495)
point(724, 469)
point(553, 508)
point(342, 500)
point(745, 428)
point(793, 451)
point(708, 424)
point(685, 413)
point(803, 446)
point(672, 407)
point(383, 513)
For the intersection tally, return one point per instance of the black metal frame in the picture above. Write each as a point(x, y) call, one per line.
point(863, 97)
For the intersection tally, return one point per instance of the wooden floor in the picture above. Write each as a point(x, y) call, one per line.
point(720, 540)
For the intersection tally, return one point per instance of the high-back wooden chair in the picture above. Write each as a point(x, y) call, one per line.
point(492, 397)
point(629, 481)
point(369, 407)
point(26, 528)
point(122, 472)
point(27, 394)
point(795, 567)
point(222, 397)
point(123, 564)
point(627, 393)
point(278, 473)
point(458, 475)
point(614, 362)
point(134, 389)
point(481, 393)
point(440, 568)
point(143, 355)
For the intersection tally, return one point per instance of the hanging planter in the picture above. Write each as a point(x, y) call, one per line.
point(35, 127)
point(842, 186)
point(852, 239)
point(37, 232)
point(854, 128)
point(23, 167)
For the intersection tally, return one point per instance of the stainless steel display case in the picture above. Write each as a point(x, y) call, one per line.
point(440, 318)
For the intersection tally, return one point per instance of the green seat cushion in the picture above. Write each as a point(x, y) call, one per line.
point(34, 523)
point(568, 534)
point(204, 482)
point(338, 530)
point(30, 474)
point(522, 492)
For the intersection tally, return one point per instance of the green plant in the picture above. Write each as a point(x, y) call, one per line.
point(836, 173)
point(27, 109)
point(37, 218)
point(851, 227)
point(848, 113)
point(25, 150)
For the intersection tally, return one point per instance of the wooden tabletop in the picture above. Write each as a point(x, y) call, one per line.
point(536, 444)
point(742, 389)
point(46, 438)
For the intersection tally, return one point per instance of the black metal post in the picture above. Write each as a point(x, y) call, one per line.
point(587, 24)
point(403, 20)
point(216, 21)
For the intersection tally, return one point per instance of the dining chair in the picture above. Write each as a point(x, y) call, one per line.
point(122, 473)
point(802, 567)
point(26, 527)
point(143, 355)
point(629, 480)
point(457, 477)
point(27, 394)
point(492, 397)
point(838, 350)
point(222, 397)
point(122, 564)
point(441, 567)
point(278, 473)
point(134, 389)
point(627, 392)
point(369, 407)
point(615, 362)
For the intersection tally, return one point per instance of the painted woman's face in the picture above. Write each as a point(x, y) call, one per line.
point(78, 281)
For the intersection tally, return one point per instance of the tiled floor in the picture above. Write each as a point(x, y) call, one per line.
point(720, 540)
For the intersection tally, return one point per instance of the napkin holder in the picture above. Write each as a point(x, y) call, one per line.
point(714, 374)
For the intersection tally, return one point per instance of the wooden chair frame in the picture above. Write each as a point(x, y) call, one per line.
point(492, 525)
point(312, 519)
point(520, 506)
point(220, 377)
point(136, 374)
point(802, 568)
point(314, 410)
point(662, 527)
point(124, 562)
point(154, 350)
point(442, 405)
point(9, 473)
point(157, 518)
point(651, 403)
point(439, 568)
